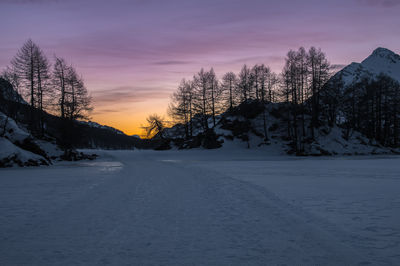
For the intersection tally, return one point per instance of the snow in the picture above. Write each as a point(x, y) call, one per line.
point(380, 61)
point(15, 155)
point(51, 149)
point(14, 135)
point(97, 125)
point(334, 143)
point(13, 131)
point(383, 61)
point(202, 207)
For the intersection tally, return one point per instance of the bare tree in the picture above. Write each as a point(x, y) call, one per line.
point(78, 101)
point(43, 89)
point(254, 77)
point(215, 93)
point(201, 101)
point(60, 71)
point(24, 66)
point(32, 68)
point(320, 73)
point(229, 83)
point(245, 83)
point(74, 102)
point(155, 126)
point(180, 109)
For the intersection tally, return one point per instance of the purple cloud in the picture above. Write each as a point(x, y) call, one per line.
point(383, 3)
point(129, 94)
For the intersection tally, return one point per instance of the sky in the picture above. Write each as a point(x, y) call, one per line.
point(133, 54)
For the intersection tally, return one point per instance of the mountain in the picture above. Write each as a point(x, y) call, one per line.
point(97, 125)
point(381, 60)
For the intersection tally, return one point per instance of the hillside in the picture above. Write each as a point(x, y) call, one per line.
point(339, 130)
point(244, 130)
point(77, 134)
point(23, 147)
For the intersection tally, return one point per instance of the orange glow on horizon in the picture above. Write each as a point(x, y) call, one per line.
point(129, 118)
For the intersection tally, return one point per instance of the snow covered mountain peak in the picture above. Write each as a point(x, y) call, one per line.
point(381, 60)
point(383, 54)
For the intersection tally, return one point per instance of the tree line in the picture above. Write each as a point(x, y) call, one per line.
point(369, 106)
point(206, 96)
point(302, 78)
point(56, 88)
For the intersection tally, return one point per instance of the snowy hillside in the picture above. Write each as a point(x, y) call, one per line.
point(381, 60)
point(240, 131)
point(244, 126)
point(18, 147)
point(11, 155)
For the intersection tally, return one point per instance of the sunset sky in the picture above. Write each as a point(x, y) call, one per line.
point(133, 54)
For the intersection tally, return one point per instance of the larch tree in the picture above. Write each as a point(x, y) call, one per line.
point(229, 83)
point(32, 67)
point(155, 126)
point(215, 93)
point(254, 77)
point(24, 65)
point(43, 89)
point(319, 68)
point(201, 101)
point(244, 83)
point(60, 71)
point(78, 100)
point(180, 108)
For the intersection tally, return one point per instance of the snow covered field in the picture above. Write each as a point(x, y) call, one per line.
point(202, 208)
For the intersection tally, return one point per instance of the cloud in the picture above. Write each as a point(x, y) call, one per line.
point(268, 59)
point(22, 2)
point(128, 94)
point(382, 3)
point(172, 62)
point(338, 66)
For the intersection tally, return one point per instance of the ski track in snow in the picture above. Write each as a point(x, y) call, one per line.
point(201, 208)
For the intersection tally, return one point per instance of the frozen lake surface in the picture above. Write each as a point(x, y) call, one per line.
point(202, 208)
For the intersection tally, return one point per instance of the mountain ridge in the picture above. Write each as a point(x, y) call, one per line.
point(381, 60)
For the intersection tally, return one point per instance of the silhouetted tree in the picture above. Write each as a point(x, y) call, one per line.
point(78, 101)
point(180, 109)
point(32, 68)
point(43, 87)
point(60, 72)
point(155, 126)
point(319, 68)
point(215, 93)
point(244, 83)
point(229, 84)
point(201, 101)
point(24, 66)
